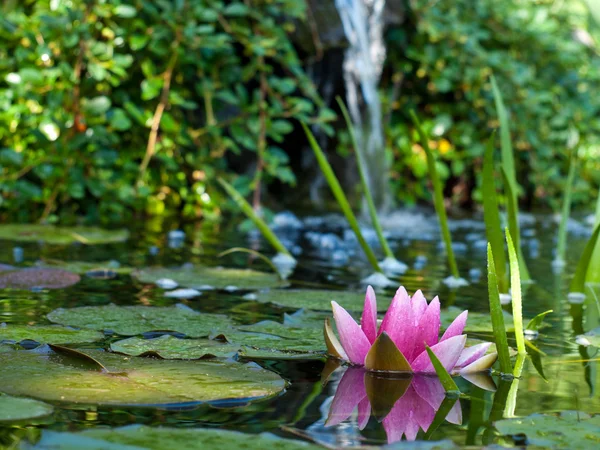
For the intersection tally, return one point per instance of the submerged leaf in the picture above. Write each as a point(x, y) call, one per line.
point(132, 320)
point(136, 381)
point(13, 409)
point(38, 278)
point(202, 278)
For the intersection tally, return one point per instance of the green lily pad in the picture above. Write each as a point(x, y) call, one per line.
point(132, 320)
point(569, 429)
point(38, 278)
point(203, 278)
point(317, 300)
point(169, 347)
point(61, 235)
point(83, 267)
point(7, 348)
point(13, 409)
point(139, 437)
point(132, 381)
point(48, 334)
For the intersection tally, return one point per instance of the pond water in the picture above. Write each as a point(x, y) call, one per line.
point(561, 377)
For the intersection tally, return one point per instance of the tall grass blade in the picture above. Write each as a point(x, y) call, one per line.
point(360, 162)
point(339, 195)
point(259, 222)
point(253, 253)
point(438, 197)
point(512, 211)
point(515, 289)
point(445, 378)
point(593, 275)
point(561, 248)
point(511, 399)
point(497, 316)
point(578, 282)
point(508, 159)
point(535, 323)
point(491, 216)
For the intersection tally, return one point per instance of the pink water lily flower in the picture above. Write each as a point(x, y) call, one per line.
point(399, 343)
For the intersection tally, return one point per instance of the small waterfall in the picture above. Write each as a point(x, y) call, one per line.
point(362, 21)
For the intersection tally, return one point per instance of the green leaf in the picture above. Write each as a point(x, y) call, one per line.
point(237, 9)
point(132, 381)
point(132, 320)
point(491, 215)
point(119, 120)
point(61, 235)
point(384, 356)
point(339, 195)
point(48, 334)
point(443, 375)
point(13, 409)
point(96, 106)
point(578, 282)
point(515, 288)
point(125, 11)
point(438, 196)
point(561, 247)
point(83, 267)
point(535, 323)
point(169, 347)
point(497, 315)
point(513, 222)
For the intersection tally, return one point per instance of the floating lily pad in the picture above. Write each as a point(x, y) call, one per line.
point(139, 437)
point(61, 235)
point(569, 429)
point(133, 381)
point(38, 278)
point(476, 322)
point(132, 320)
point(317, 300)
point(203, 278)
point(48, 334)
point(169, 347)
point(84, 267)
point(13, 409)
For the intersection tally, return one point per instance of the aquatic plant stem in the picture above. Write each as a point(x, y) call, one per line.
point(491, 215)
point(561, 247)
point(515, 289)
point(365, 185)
point(249, 211)
point(497, 315)
point(511, 398)
point(339, 195)
point(438, 197)
point(578, 282)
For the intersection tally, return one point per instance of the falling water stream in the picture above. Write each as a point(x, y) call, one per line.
point(362, 21)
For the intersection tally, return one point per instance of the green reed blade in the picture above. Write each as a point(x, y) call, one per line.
point(515, 289)
point(508, 159)
point(253, 253)
point(440, 416)
point(561, 248)
point(497, 316)
point(360, 162)
point(535, 323)
point(445, 378)
point(438, 197)
point(593, 274)
point(339, 195)
point(491, 216)
point(512, 211)
point(578, 282)
point(511, 399)
point(259, 222)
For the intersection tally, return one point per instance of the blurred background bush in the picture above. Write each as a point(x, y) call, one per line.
point(111, 109)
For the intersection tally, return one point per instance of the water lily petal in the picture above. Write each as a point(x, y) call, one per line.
point(395, 311)
point(419, 304)
point(455, 414)
point(456, 327)
point(368, 321)
point(364, 413)
point(355, 343)
point(398, 322)
point(350, 392)
point(430, 389)
point(334, 348)
point(482, 380)
point(428, 329)
point(472, 353)
point(447, 352)
point(480, 365)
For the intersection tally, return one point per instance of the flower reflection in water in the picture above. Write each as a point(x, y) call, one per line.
point(402, 405)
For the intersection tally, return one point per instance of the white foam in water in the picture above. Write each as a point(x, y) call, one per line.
point(505, 299)
point(166, 283)
point(183, 293)
point(378, 279)
point(576, 298)
point(392, 266)
point(454, 282)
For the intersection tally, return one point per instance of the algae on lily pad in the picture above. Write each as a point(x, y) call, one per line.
point(14, 409)
point(48, 334)
point(132, 320)
point(132, 381)
point(38, 278)
point(61, 235)
point(170, 347)
point(317, 299)
point(140, 437)
point(203, 278)
point(569, 430)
